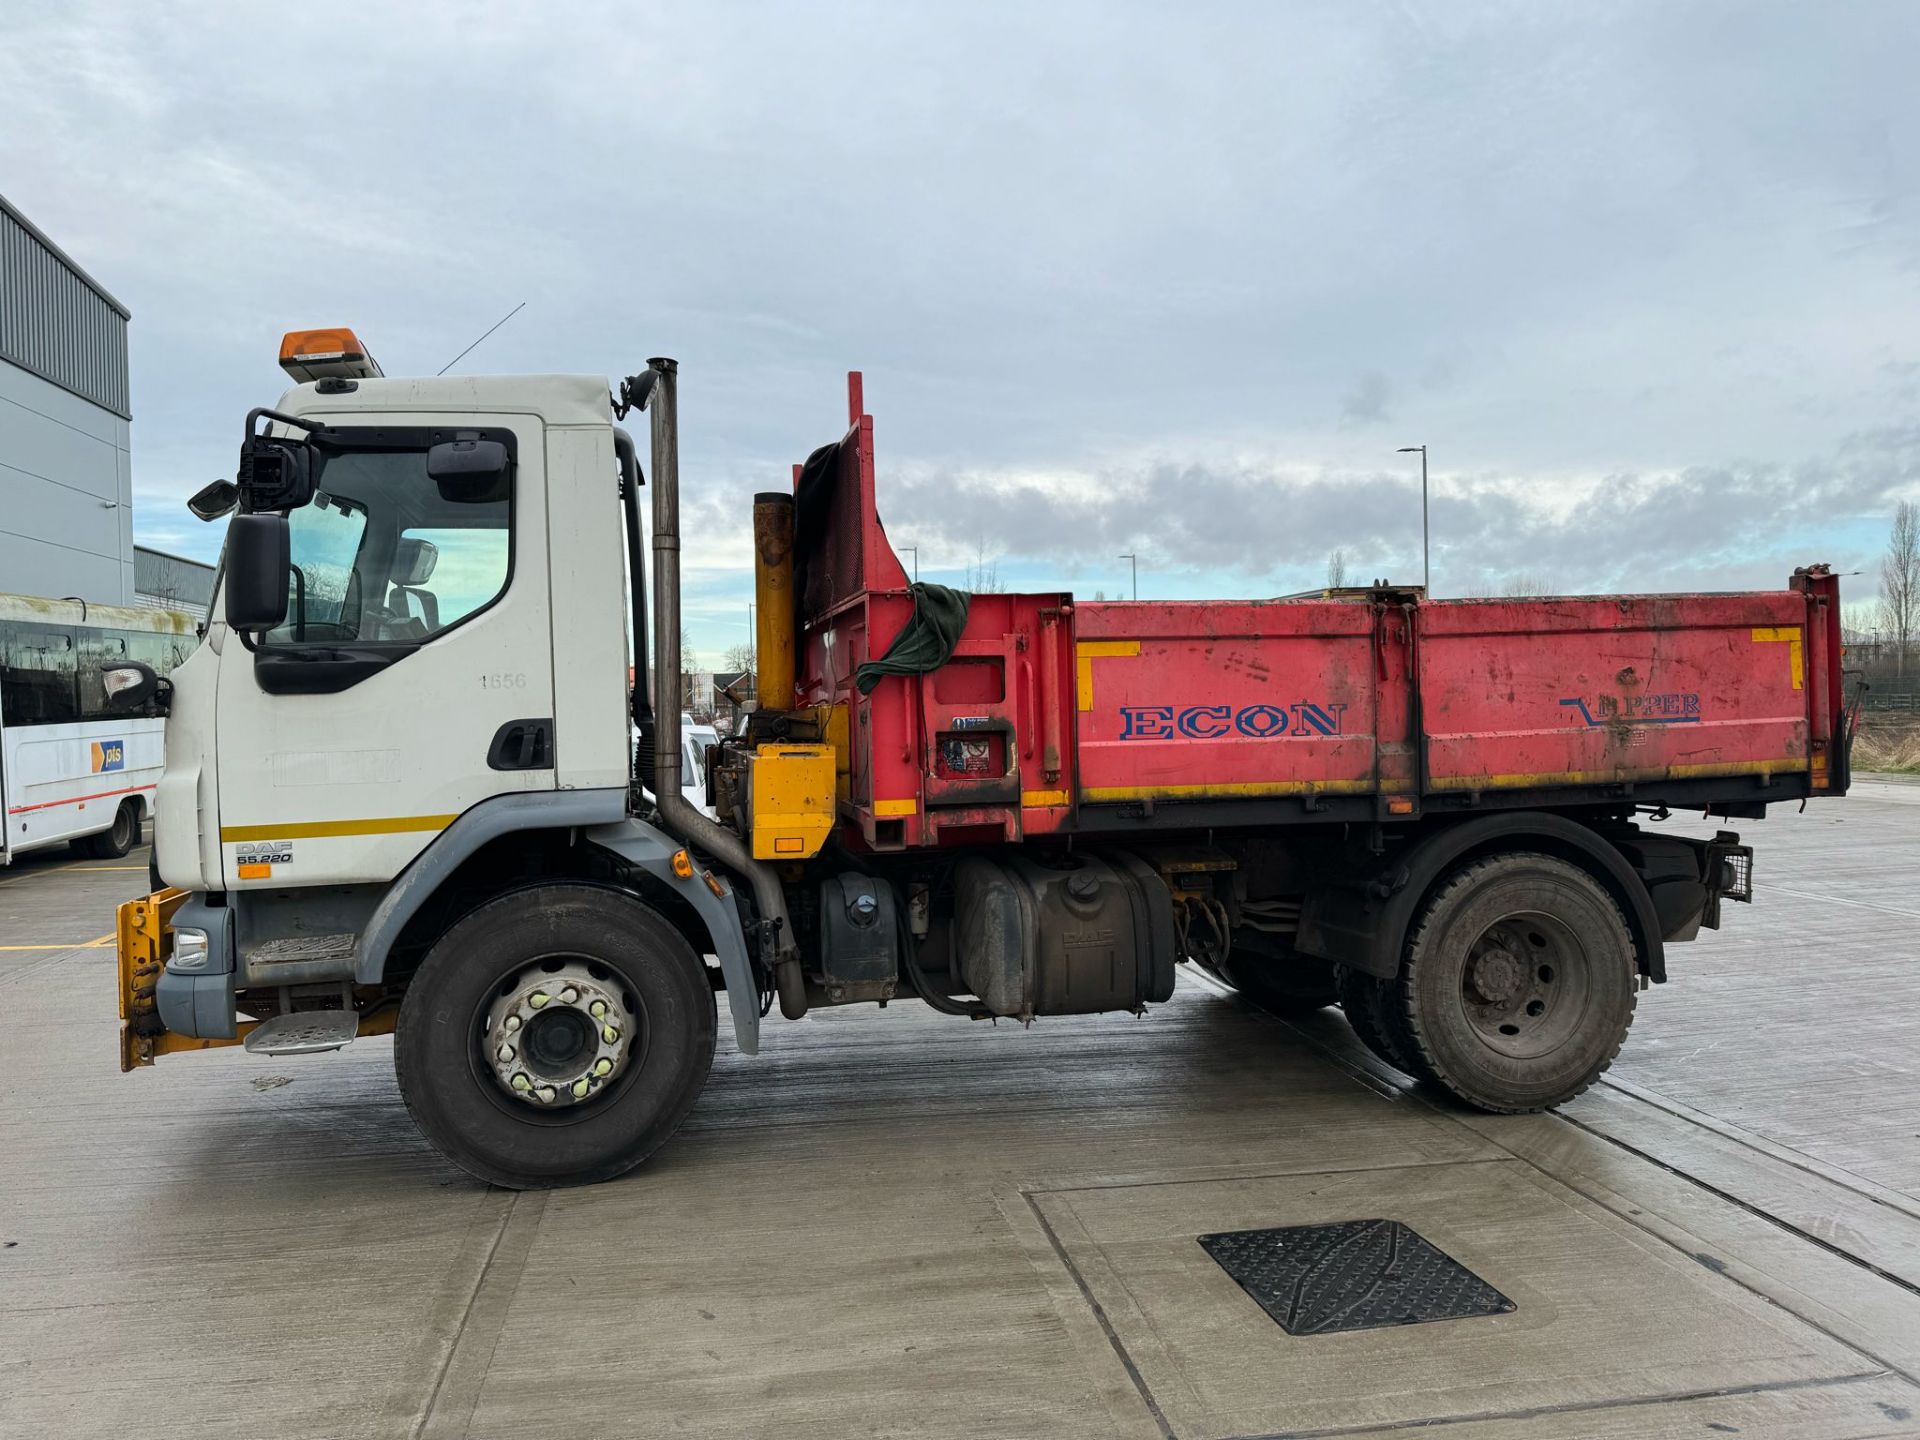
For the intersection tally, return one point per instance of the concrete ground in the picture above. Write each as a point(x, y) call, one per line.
point(896, 1224)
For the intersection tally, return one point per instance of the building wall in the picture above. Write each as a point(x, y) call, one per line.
point(66, 481)
point(171, 582)
point(66, 493)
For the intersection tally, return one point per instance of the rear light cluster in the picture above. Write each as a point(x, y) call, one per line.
point(1730, 867)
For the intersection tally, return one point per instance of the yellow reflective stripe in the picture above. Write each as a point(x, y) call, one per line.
point(896, 807)
point(1236, 791)
point(1085, 652)
point(322, 829)
point(1615, 777)
point(1035, 799)
point(1796, 649)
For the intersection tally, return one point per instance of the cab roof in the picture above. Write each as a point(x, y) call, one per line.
point(556, 399)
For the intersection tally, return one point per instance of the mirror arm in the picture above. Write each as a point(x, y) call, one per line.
point(299, 602)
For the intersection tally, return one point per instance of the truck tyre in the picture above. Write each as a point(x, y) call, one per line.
point(555, 1036)
point(1518, 985)
point(117, 839)
point(1364, 998)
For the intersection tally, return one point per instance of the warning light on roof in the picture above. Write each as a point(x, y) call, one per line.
point(327, 354)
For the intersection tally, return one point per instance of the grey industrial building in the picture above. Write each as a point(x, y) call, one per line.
point(66, 479)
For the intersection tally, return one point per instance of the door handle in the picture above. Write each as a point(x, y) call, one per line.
point(522, 745)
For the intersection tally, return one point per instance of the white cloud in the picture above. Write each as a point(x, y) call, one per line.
point(1071, 245)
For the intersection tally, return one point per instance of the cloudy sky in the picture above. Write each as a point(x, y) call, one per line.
point(1175, 280)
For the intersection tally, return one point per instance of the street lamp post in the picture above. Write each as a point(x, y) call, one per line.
point(1426, 544)
point(1133, 562)
point(915, 551)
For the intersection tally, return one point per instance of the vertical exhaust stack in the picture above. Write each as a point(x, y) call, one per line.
point(680, 816)
point(773, 599)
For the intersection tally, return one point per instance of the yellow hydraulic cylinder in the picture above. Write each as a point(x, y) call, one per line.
point(773, 598)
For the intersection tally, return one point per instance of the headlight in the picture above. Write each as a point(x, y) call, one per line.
point(190, 950)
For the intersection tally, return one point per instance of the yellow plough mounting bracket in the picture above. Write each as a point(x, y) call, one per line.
point(143, 930)
point(143, 935)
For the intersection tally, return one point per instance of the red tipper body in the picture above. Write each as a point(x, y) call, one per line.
point(1057, 717)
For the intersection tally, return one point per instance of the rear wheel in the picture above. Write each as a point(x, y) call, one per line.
point(117, 839)
point(1364, 998)
point(555, 1036)
point(1519, 983)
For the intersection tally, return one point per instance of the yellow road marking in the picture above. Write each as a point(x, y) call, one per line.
point(82, 945)
point(32, 874)
point(323, 829)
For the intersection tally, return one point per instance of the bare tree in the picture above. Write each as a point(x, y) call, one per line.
point(983, 575)
point(738, 657)
point(1525, 584)
point(1336, 570)
point(1900, 583)
point(688, 660)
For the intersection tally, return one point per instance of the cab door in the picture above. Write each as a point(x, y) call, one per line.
point(412, 679)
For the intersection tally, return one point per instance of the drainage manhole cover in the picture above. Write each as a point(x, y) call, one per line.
point(1356, 1275)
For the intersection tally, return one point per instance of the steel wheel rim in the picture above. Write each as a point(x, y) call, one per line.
point(1527, 985)
point(559, 1060)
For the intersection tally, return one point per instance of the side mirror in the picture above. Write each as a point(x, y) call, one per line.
point(259, 561)
point(215, 500)
point(133, 688)
point(469, 470)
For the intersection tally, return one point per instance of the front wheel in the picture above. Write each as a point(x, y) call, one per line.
point(1518, 984)
point(555, 1036)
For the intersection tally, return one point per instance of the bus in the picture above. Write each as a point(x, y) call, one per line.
point(70, 769)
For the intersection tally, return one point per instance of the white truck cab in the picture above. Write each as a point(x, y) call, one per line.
point(399, 792)
point(427, 622)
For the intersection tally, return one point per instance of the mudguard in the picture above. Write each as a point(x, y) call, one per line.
point(652, 850)
point(1363, 923)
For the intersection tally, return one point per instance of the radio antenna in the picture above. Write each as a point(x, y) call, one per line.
point(488, 331)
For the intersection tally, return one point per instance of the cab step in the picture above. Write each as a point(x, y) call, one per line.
point(305, 1032)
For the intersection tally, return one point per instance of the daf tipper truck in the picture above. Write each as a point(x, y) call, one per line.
point(399, 793)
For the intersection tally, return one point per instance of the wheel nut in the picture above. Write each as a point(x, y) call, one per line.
point(603, 1068)
point(521, 1083)
point(580, 1088)
point(538, 998)
point(569, 995)
point(504, 1053)
point(598, 1009)
point(610, 1034)
point(546, 1094)
point(513, 1022)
